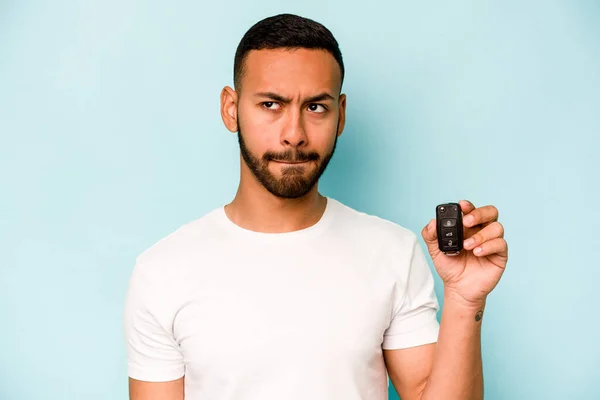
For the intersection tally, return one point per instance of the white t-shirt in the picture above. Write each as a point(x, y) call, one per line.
point(246, 315)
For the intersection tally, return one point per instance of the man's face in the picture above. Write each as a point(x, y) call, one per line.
point(288, 114)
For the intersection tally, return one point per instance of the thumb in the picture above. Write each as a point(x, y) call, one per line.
point(429, 234)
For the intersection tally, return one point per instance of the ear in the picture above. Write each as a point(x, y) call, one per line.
point(229, 100)
point(342, 116)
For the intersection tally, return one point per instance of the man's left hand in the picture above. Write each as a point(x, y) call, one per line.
point(474, 273)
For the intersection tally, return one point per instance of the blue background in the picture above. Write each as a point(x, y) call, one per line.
point(111, 138)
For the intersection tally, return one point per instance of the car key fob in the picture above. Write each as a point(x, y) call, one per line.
point(449, 228)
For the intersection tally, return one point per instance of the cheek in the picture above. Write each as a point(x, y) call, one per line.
point(324, 137)
point(257, 131)
point(321, 143)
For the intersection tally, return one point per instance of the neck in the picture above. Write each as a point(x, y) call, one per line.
point(256, 209)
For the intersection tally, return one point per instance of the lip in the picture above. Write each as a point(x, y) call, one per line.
point(290, 163)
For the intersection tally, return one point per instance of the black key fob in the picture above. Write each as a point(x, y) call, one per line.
point(449, 228)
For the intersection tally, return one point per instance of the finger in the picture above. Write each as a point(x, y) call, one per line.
point(494, 246)
point(466, 206)
point(429, 232)
point(481, 215)
point(490, 232)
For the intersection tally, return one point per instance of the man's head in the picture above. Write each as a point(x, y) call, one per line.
point(287, 106)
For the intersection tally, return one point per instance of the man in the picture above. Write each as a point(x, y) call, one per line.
point(288, 294)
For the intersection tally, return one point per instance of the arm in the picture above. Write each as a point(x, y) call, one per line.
point(142, 390)
point(450, 369)
point(409, 343)
point(155, 362)
point(409, 369)
point(455, 369)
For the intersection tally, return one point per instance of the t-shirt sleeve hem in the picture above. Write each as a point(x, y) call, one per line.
point(155, 374)
point(424, 335)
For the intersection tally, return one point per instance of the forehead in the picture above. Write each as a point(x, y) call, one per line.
point(291, 69)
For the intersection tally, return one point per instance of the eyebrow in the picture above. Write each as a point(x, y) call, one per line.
point(277, 97)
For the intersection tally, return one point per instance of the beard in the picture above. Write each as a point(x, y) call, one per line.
point(293, 183)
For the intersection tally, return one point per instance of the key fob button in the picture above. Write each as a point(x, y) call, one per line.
point(449, 233)
point(450, 242)
point(448, 222)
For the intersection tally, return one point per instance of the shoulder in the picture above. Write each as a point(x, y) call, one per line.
point(373, 228)
point(167, 256)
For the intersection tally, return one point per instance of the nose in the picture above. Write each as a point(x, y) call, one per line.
point(294, 134)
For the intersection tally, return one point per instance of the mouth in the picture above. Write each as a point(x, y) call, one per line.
point(290, 162)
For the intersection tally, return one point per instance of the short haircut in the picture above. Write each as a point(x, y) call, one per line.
point(285, 31)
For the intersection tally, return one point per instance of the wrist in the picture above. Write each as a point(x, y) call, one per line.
point(453, 297)
point(455, 304)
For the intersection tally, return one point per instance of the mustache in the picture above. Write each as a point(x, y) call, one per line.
point(291, 156)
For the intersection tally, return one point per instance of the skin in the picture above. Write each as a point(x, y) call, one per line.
point(297, 128)
point(290, 125)
point(452, 368)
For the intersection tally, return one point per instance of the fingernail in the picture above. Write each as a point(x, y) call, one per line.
point(469, 242)
point(477, 250)
point(468, 219)
point(430, 226)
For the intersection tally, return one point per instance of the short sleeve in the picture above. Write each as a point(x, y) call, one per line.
point(414, 319)
point(153, 355)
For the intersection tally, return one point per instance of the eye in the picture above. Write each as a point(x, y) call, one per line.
point(269, 105)
point(314, 108)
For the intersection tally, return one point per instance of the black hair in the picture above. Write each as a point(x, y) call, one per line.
point(285, 31)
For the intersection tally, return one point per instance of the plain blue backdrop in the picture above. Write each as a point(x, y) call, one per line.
point(111, 138)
